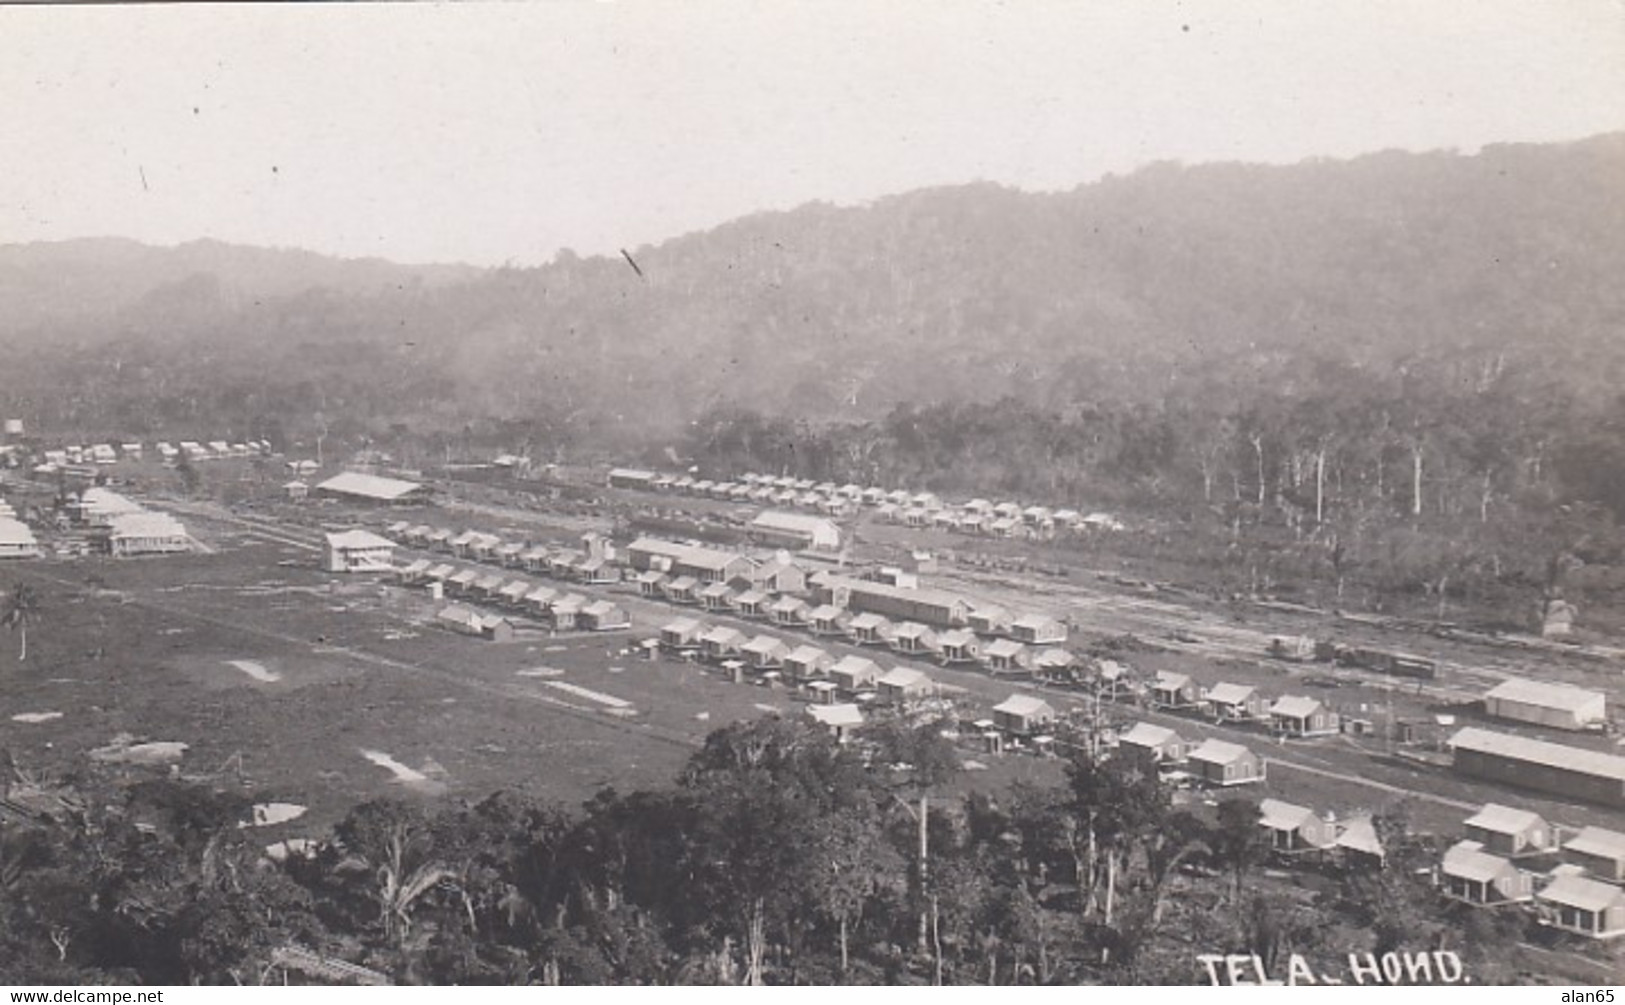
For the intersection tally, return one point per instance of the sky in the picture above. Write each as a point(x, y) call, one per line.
point(491, 133)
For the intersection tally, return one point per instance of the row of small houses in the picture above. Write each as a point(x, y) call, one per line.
point(1581, 893)
point(112, 453)
point(915, 509)
point(560, 608)
point(1244, 704)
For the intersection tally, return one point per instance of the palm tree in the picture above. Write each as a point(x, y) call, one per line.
point(22, 610)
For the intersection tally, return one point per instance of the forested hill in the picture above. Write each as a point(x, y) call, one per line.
point(1170, 284)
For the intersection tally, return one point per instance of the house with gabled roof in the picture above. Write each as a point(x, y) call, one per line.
point(1151, 744)
point(764, 652)
point(1583, 906)
point(808, 663)
point(1469, 873)
point(682, 634)
point(914, 639)
point(1547, 704)
point(840, 720)
point(1038, 629)
point(722, 642)
point(1023, 714)
point(870, 630)
point(959, 645)
point(902, 684)
point(791, 612)
point(1509, 831)
point(1298, 716)
point(1599, 851)
point(1218, 762)
point(854, 673)
point(1293, 829)
point(1234, 703)
point(1174, 691)
point(1005, 656)
point(827, 619)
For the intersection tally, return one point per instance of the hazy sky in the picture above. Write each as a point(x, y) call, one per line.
point(486, 133)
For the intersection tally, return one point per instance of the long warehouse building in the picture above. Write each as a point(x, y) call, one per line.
point(1544, 767)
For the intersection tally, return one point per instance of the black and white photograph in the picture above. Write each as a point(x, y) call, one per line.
point(815, 492)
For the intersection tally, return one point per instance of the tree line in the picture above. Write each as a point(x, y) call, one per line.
point(777, 856)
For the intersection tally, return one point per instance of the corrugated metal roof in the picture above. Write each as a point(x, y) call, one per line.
point(1554, 755)
point(798, 523)
point(1543, 694)
point(686, 554)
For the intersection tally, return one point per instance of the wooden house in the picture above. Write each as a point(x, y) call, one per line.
point(683, 590)
point(1218, 763)
point(764, 652)
point(1151, 744)
point(914, 639)
point(1234, 703)
point(652, 584)
point(1599, 851)
point(1469, 873)
point(808, 663)
point(1038, 629)
point(722, 642)
point(854, 673)
point(870, 630)
point(1295, 830)
point(753, 604)
point(827, 619)
point(1298, 716)
point(1583, 906)
point(682, 634)
point(1006, 656)
point(1509, 831)
point(1023, 715)
point(791, 612)
point(603, 616)
point(901, 684)
point(840, 720)
point(1174, 691)
point(959, 646)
